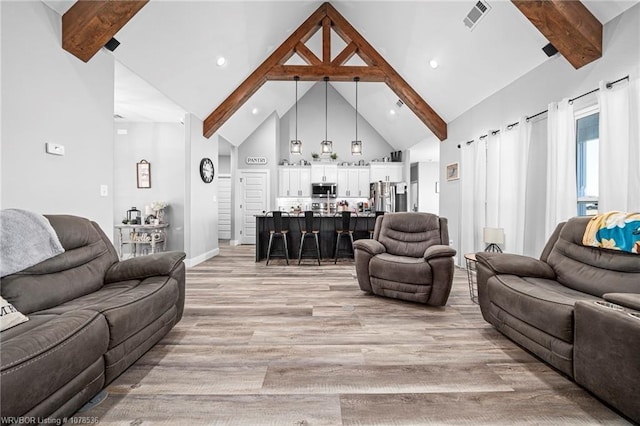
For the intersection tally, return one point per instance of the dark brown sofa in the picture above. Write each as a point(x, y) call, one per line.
point(577, 308)
point(408, 258)
point(90, 317)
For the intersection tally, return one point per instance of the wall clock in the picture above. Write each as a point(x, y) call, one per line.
point(206, 170)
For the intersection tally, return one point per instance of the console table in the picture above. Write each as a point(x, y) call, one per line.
point(139, 236)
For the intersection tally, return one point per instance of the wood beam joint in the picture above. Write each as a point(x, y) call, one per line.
point(377, 69)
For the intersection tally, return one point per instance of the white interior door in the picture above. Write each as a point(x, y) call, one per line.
point(254, 186)
point(224, 207)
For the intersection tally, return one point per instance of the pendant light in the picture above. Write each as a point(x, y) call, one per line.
point(296, 144)
point(326, 145)
point(356, 145)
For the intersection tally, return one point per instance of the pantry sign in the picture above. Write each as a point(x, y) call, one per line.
point(256, 160)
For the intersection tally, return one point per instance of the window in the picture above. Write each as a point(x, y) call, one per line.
point(587, 148)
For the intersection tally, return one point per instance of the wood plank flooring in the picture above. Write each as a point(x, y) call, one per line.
point(302, 345)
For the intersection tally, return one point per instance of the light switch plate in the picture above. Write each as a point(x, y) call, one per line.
point(54, 148)
point(104, 191)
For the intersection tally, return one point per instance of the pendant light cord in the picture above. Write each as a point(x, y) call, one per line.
point(326, 107)
point(296, 78)
point(356, 80)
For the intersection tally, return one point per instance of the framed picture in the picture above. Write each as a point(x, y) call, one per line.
point(143, 170)
point(453, 171)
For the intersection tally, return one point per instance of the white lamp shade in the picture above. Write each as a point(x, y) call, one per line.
point(296, 147)
point(493, 235)
point(356, 147)
point(327, 147)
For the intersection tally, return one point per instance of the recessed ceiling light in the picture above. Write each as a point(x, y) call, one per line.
point(392, 111)
point(221, 61)
point(255, 111)
point(433, 64)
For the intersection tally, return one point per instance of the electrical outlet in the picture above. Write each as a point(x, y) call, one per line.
point(104, 191)
point(450, 242)
point(54, 149)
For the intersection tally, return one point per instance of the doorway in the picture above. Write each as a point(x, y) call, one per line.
point(254, 196)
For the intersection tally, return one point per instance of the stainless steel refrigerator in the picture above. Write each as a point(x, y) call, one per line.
point(388, 196)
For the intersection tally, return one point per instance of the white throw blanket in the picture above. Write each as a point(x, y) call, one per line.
point(26, 239)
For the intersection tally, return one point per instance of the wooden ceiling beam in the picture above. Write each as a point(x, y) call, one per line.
point(88, 25)
point(395, 82)
point(305, 53)
point(326, 40)
point(258, 77)
point(568, 25)
point(346, 54)
point(376, 70)
point(335, 73)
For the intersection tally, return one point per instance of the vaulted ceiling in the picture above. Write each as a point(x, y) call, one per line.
point(174, 45)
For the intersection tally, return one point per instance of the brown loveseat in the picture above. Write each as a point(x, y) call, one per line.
point(90, 317)
point(408, 258)
point(577, 308)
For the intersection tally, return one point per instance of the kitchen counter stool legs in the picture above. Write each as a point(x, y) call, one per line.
point(276, 229)
point(345, 225)
point(307, 224)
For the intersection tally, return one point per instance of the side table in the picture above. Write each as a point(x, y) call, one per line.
point(471, 276)
point(138, 236)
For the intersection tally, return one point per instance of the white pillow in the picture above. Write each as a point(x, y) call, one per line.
point(9, 316)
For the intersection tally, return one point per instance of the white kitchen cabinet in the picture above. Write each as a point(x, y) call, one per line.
point(324, 173)
point(391, 172)
point(353, 182)
point(294, 181)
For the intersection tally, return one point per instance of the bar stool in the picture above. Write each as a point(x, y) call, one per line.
point(345, 225)
point(309, 227)
point(277, 229)
point(371, 231)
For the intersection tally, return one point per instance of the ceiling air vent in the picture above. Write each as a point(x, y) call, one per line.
point(475, 15)
point(399, 103)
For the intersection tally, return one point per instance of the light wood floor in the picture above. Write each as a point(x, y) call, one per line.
point(302, 345)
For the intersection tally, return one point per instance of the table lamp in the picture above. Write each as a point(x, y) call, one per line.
point(493, 237)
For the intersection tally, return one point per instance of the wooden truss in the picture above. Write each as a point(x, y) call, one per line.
point(326, 17)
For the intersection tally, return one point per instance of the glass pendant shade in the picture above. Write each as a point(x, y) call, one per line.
point(326, 146)
point(356, 145)
point(295, 146)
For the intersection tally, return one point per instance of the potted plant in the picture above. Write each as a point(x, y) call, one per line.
point(334, 156)
point(315, 156)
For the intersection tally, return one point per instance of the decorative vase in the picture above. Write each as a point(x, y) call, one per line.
point(160, 215)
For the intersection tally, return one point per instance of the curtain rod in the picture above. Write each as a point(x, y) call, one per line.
point(512, 125)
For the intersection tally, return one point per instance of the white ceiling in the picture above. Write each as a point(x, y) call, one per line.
point(173, 47)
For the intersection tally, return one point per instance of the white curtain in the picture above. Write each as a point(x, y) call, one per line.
point(494, 173)
point(619, 181)
point(514, 155)
point(562, 199)
point(472, 172)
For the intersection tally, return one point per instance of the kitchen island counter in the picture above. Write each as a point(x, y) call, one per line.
point(327, 235)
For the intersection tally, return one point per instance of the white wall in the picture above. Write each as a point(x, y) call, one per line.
point(262, 143)
point(340, 129)
point(530, 94)
point(49, 95)
point(201, 199)
point(162, 145)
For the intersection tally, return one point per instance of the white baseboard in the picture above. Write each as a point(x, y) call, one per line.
point(189, 263)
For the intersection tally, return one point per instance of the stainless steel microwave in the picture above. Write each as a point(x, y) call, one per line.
point(323, 190)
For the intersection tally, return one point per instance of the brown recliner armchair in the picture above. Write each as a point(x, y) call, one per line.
point(408, 258)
